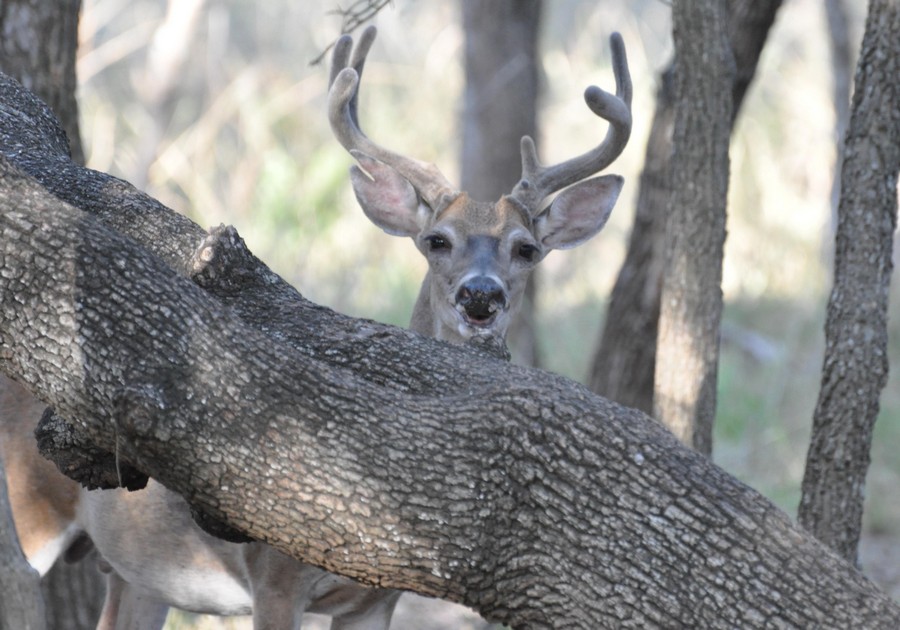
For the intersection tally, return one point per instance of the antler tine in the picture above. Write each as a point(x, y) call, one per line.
point(538, 181)
point(340, 59)
point(344, 82)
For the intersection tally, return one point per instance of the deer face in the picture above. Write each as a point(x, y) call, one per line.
point(479, 254)
point(479, 257)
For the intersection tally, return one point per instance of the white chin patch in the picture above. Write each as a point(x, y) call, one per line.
point(468, 331)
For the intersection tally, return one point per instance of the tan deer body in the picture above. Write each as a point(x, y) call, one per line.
point(479, 254)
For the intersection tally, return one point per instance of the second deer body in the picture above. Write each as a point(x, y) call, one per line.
point(479, 255)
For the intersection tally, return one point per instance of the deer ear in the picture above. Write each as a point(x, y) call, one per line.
point(578, 212)
point(386, 197)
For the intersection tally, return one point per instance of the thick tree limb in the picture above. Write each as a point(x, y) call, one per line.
point(511, 490)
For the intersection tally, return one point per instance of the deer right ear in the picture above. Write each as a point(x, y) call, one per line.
point(387, 198)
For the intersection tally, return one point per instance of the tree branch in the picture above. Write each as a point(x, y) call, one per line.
point(514, 491)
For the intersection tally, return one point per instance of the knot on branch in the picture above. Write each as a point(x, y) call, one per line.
point(137, 411)
point(79, 459)
point(222, 264)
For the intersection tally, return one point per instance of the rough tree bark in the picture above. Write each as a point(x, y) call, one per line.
point(856, 365)
point(625, 359)
point(21, 604)
point(37, 47)
point(841, 52)
point(501, 68)
point(38, 40)
point(691, 300)
point(369, 450)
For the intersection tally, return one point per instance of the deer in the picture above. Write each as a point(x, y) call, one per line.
point(479, 256)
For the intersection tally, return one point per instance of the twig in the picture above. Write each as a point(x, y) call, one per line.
point(360, 12)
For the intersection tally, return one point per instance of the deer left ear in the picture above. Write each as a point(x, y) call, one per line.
point(386, 197)
point(578, 212)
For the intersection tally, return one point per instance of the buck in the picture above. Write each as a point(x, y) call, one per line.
point(479, 256)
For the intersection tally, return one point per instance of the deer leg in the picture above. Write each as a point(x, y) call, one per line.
point(281, 587)
point(125, 608)
point(375, 614)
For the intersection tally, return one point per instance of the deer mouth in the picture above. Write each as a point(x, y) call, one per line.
point(480, 318)
point(479, 306)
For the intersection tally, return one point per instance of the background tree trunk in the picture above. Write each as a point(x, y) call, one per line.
point(625, 359)
point(691, 299)
point(856, 366)
point(501, 65)
point(841, 51)
point(353, 445)
point(38, 41)
point(21, 604)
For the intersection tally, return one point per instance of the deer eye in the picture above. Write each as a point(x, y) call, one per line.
point(436, 242)
point(527, 251)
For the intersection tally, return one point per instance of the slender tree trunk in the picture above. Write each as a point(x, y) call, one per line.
point(37, 47)
point(841, 52)
point(501, 68)
point(38, 41)
point(21, 603)
point(625, 359)
point(691, 301)
point(856, 365)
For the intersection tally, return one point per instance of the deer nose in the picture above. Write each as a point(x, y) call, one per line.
point(481, 298)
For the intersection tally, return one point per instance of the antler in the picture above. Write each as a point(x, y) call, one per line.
point(425, 178)
point(538, 181)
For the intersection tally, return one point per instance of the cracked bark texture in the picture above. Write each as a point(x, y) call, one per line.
point(369, 450)
point(855, 367)
point(625, 359)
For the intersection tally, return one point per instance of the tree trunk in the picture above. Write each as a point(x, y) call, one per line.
point(369, 450)
point(38, 41)
point(691, 299)
point(501, 68)
point(21, 604)
point(841, 51)
point(625, 359)
point(856, 365)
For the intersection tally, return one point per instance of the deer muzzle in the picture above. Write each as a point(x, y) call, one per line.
point(480, 300)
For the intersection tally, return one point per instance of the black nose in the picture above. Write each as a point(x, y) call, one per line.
point(481, 298)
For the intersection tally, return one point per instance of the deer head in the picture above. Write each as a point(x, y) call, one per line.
point(479, 254)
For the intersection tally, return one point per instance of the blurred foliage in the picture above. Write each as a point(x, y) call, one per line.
point(244, 140)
